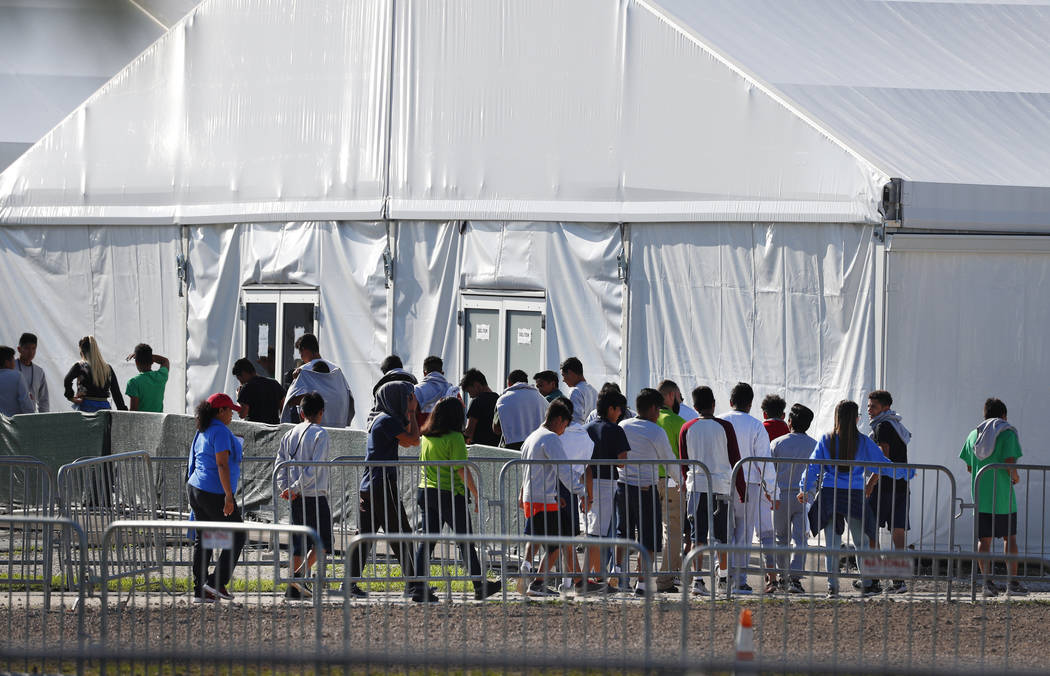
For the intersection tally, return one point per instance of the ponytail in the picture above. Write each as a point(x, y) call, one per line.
point(205, 415)
point(98, 366)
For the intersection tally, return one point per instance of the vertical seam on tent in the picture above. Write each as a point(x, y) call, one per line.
point(754, 303)
point(387, 154)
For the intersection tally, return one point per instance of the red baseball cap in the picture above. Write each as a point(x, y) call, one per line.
point(222, 400)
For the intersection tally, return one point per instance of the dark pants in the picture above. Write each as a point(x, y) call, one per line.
point(439, 508)
point(381, 508)
point(208, 507)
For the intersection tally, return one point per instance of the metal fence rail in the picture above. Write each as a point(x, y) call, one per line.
point(95, 492)
point(27, 486)
point(922, 629)
point(156, 607)
point(39, 605)
point(509, 626)
point(1029, 496)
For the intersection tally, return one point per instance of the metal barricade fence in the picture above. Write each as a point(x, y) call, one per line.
point(95, 492)
point(138, 614)
point(345, 507)
point(34, 586)
point(923, 628)
point(888, 505)
point(27, 486)
point(1001, 506)
point(452, 620)
point(659, 512)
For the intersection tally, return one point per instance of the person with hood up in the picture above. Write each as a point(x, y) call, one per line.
point(995, 441)
point(393, 426)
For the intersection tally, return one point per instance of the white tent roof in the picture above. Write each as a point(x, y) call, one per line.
point(55, 54)
point(953, 97)
point(642, 110)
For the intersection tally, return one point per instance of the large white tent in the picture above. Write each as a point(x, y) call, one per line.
point(803, 195)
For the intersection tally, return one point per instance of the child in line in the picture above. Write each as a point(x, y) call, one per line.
point(306, 486)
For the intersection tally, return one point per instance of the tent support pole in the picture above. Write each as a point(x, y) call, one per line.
point(184, 246)
point(625, 305)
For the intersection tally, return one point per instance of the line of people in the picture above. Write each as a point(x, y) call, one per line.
point(629, 481)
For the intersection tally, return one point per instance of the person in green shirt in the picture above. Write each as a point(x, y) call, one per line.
point(442, 495)
point(146, 390)
point(670, 488)
point(995, 441)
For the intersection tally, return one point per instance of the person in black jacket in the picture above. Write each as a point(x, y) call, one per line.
point(95, 379)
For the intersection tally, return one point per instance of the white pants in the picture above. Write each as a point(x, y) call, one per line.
point(754, 514)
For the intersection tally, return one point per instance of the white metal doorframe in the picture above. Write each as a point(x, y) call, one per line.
point(533, 302)
point(278, 296)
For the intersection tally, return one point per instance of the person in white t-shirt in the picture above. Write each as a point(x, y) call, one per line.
point(638, 482)
point(753, 441)
point(583, 396)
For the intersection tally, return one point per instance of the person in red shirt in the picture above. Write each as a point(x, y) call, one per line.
point(773, 407)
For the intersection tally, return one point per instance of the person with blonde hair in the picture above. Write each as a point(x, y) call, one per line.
point(96, 381)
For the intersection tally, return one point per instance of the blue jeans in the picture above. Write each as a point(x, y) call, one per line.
point(90, 406)
point(833, 542)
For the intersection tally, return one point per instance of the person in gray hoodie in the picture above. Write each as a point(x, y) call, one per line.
point(995, 441)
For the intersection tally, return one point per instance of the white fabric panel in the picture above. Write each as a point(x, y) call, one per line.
point(597, 110)
point(343, 259)
point(576, 265)
point(964, 325)
point(239, 111)
point(115, 283)
point(786, 307)
point(426, 297)
point(55, 54)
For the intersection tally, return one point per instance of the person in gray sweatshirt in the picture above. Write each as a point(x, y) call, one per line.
point(789, 516)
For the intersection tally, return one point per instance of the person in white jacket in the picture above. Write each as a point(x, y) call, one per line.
point(306, 486)
point(756, 512)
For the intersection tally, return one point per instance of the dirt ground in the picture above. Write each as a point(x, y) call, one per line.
point(882, 632)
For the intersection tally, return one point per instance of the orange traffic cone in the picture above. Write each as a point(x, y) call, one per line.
point(745, 637)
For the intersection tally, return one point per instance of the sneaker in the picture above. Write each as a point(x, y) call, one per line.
point(833, 592)
point(205, 596)
point(898, 587)
point(538, 589)
point(425, 595)
point(743, 588)
point(293, 593)
point(357, 592)
point(723, 583)
point(772, 587)
point(639, 591)
point(867, 590)
point(870, 589)
point(591, 587)
point(794, 586)
point(304, 589)
point(699, 588)
point(990, 589)
point(487, 589)
point(1015, 588)
point(667, 590)
point(218, 592)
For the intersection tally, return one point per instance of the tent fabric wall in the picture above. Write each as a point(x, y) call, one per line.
point(426, 276)
point(116, 283)
point(345, 260)
point(786, 307)
point(573, 263)
point(965, 321)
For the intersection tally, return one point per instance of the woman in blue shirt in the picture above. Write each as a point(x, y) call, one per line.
point(843, 491)
point(214, 468)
